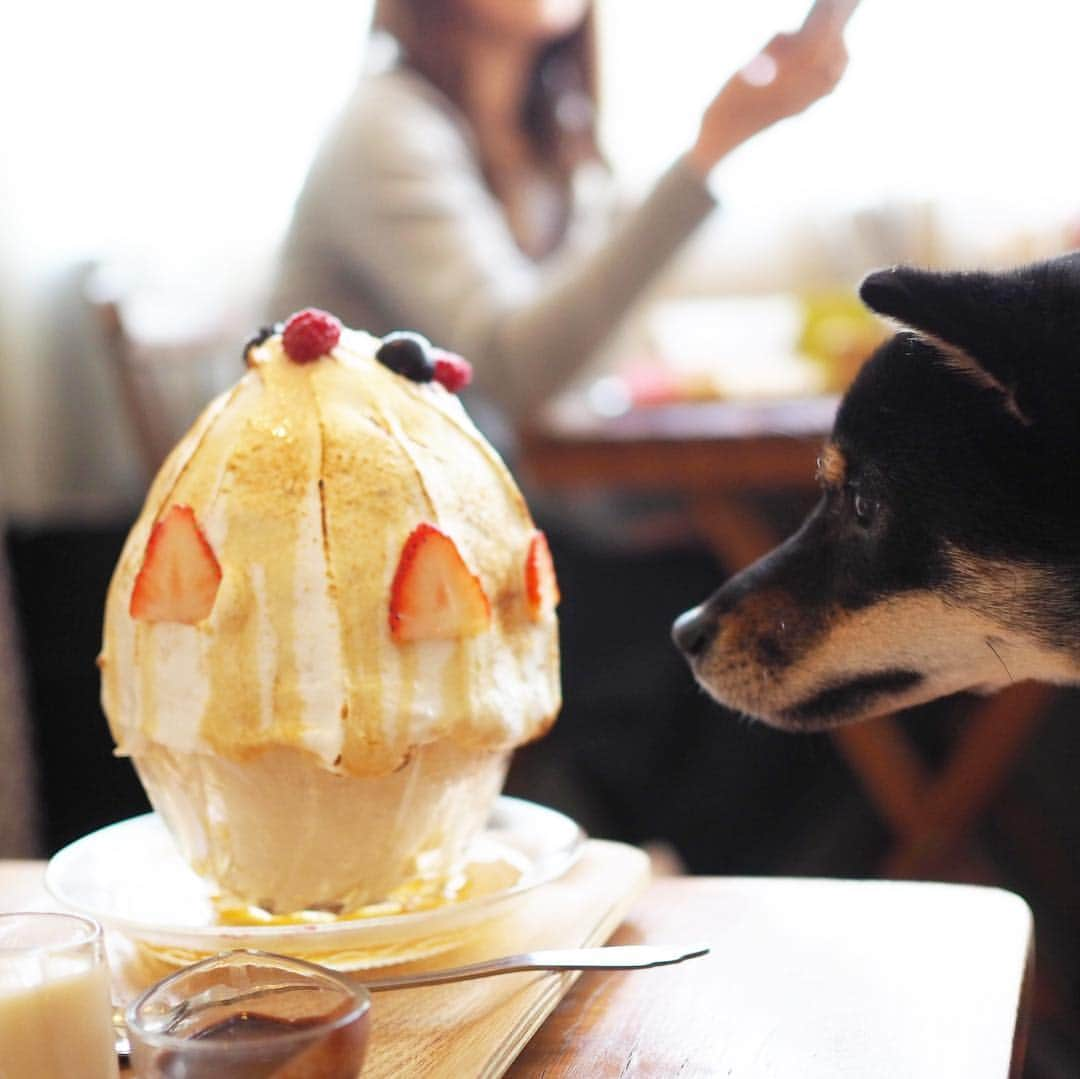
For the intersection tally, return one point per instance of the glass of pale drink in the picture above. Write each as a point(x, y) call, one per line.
point(55, 1004)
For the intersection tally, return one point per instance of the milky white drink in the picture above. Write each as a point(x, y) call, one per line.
point(55, 1009)
point(331, 624)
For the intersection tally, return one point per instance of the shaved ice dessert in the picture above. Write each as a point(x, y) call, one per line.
point(330, 625)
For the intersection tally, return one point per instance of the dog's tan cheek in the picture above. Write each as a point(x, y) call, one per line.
point(918, 632)
point(843, 645)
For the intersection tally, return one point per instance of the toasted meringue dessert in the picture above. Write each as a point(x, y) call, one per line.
point(331, 624)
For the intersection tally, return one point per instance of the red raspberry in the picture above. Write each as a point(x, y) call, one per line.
point(452, 370)
point(309, 334)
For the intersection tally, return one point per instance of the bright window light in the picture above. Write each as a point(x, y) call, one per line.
point(185, 130)
point(965, 102)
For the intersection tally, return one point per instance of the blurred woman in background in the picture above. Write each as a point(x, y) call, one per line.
point(462, 194)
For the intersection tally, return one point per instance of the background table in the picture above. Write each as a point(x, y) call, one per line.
point(722, 456)
point(807, 979)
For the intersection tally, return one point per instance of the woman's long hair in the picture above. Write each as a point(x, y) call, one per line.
point(558, 115)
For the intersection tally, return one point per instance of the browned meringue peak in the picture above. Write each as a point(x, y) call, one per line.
point(306, 481)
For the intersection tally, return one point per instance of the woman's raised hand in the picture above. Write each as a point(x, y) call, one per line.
point(786, 77)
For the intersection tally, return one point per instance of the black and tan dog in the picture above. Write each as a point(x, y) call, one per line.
point(944, 553)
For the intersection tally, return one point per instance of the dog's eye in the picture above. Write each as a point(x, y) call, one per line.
point(865, 509)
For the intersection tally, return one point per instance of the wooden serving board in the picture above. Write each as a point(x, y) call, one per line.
point(473, 1028)
point(477, 1028)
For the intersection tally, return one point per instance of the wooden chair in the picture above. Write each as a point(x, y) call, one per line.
point(169, 351)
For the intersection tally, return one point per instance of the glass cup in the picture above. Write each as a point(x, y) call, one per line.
point(250, 1015)
point(55, 1003)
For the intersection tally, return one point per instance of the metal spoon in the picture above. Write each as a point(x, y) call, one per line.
point(618, 957)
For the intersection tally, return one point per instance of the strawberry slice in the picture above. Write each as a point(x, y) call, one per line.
point(179, 578)
point(434, 595)
point(541, 585)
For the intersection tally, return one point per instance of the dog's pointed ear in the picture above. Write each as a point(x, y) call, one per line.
point(1016, 332)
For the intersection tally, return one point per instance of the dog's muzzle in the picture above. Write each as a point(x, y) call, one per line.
point(694, 630)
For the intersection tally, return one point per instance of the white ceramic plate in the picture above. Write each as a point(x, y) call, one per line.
point(131, 878)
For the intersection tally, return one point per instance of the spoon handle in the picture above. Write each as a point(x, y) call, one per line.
point(620, 957)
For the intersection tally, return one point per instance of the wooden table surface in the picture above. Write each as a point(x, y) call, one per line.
point(807, 979)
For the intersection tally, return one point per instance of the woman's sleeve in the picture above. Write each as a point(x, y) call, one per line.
point(414, 218)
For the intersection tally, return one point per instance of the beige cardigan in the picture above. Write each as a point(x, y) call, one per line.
point(396, 228)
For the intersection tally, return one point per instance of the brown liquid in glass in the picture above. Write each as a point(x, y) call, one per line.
point(260, 1045)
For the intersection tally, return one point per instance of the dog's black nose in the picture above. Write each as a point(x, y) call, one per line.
point(693, 630)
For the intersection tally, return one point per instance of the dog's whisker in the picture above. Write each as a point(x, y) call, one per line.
point(990, 645)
